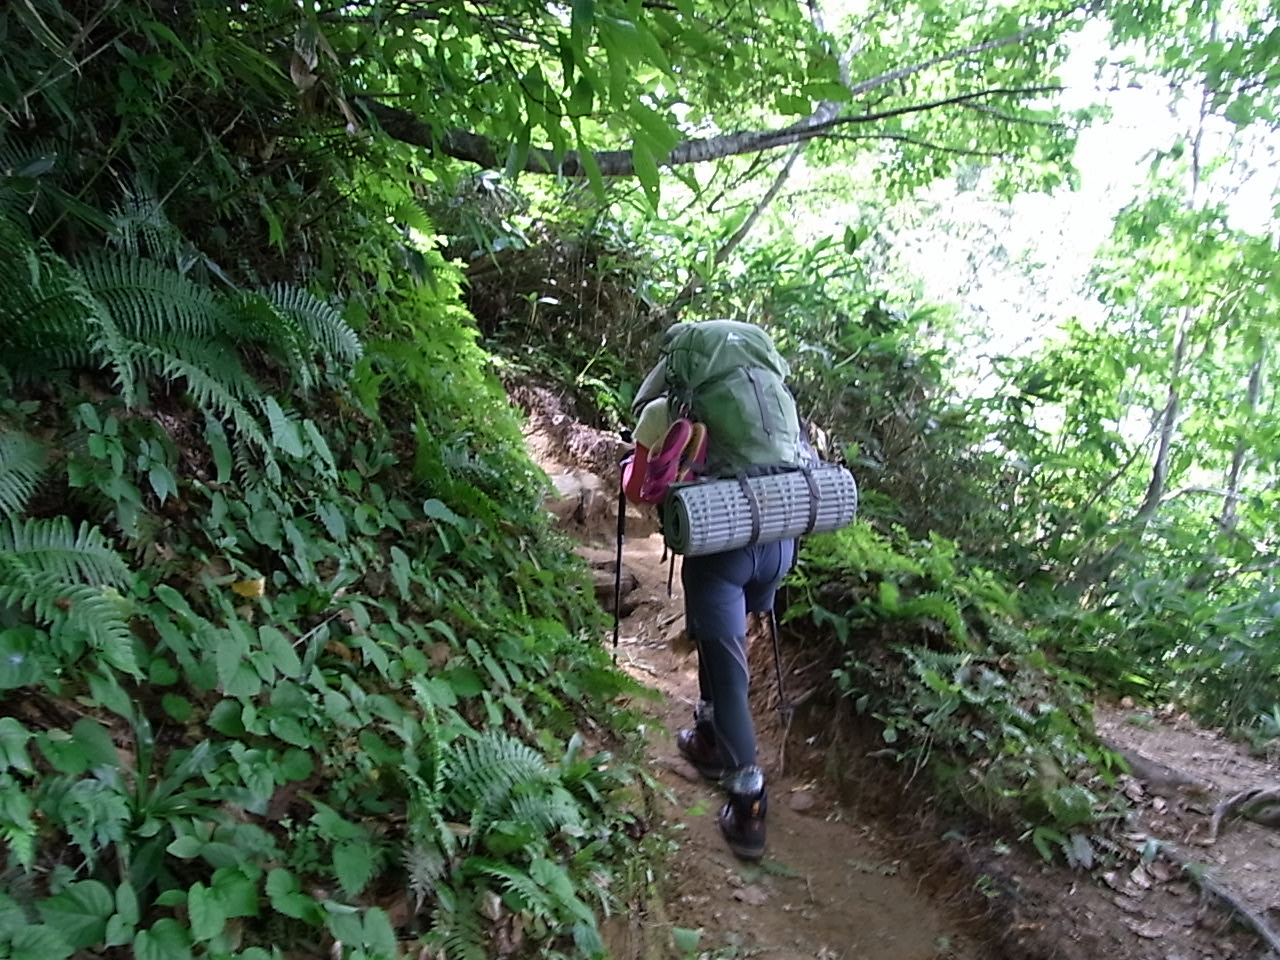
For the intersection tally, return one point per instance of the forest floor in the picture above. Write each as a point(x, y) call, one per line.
point(861, 868)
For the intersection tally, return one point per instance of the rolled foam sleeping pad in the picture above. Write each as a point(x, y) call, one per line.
point(715, 515)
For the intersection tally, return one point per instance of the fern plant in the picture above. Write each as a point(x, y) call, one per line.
point(140, 320)
point(22, 464)
point(69, 579)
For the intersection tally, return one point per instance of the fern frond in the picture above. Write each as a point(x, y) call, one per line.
point(458, 933)
point(425, 864)
point(147, 300)
point(141, 228)
point(48, 316)
point(257, 319)
point(214, 396)
point(545, 810)
point(22, 462)
point(68, 577)
point(54, 548)
point(515, 880)
point(324, 325)
point(486, 770)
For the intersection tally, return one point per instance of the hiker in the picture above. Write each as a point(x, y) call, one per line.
point(727, 376)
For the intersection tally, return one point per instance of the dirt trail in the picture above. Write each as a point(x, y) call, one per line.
point(826, 887)
point(832, 885)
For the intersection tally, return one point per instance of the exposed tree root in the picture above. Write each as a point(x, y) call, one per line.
point(1259, 804)
point(1207, 882)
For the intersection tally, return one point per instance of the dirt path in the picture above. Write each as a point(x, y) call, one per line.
point(832, 885)
point(826, 887)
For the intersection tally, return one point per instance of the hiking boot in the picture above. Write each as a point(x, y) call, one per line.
point(697, 744)
point(741, 820)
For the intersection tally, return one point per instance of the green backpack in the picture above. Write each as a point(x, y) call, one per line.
point(729, 376)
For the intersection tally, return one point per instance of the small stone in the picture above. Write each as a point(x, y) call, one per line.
point(802, 801)
point(682, 768)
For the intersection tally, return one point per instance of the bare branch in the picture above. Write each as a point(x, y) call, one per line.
point(691, 287)
point(903, 138)
point(463, 145)
point(1010, 118)
point(981, 47)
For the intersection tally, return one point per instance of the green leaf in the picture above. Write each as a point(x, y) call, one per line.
point(207, 916)
point(18, 664)
point(582, 20)
point(284, 431)
point(236, 891)
point(93, 738)
point(79, 913)
point(280, 650)
point(216, 436)
point(287, 898)
point(647, 172)
point(38, 942)
point(164, 940)
point(185, 848)
point(179, 708)
point(379, 935)
point(296, 765)
point(13, 746)
point(162, 482)
point(127, 902)
point(353, 866)
point(437, 510)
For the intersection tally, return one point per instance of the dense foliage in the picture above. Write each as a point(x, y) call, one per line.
point(283, 633)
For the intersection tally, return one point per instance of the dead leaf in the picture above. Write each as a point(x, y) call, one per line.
point(250, 588)
point(490, 906)
point(1140, 878)
point(752, 896)
point(1161, 870)
point(301, 74)
point(1148, 929)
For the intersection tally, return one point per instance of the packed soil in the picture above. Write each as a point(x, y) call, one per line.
point(859, 865)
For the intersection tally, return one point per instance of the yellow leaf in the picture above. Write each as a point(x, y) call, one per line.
point(249, 588)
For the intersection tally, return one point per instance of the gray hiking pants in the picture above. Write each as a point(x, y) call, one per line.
point(719, 590)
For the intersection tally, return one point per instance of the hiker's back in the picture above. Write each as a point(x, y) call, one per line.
point(730, 377)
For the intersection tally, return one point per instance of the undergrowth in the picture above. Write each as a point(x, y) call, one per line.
point(292, 663)
point(934, 651)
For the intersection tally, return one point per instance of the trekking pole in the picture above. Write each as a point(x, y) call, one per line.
point(617, 565)
point(784, 708)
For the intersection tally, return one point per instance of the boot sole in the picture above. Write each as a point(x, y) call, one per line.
point(751, 854)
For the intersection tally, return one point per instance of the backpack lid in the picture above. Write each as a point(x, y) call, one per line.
point(698, 353)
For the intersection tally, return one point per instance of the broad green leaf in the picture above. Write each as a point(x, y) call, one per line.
point(379, 935)
point(162, 481)
point(94, 740)
point(38, 942)
point(127, 903)
point(284, 430)
point(280, 650)
point(353, 866)
point(79, 913)
point(13, 746)
point(207, 916)
point(165, 940)
point(236, 891)
point(18, 664)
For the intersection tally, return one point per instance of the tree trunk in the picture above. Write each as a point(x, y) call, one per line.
point(1168, 427)
point(1228, 518)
